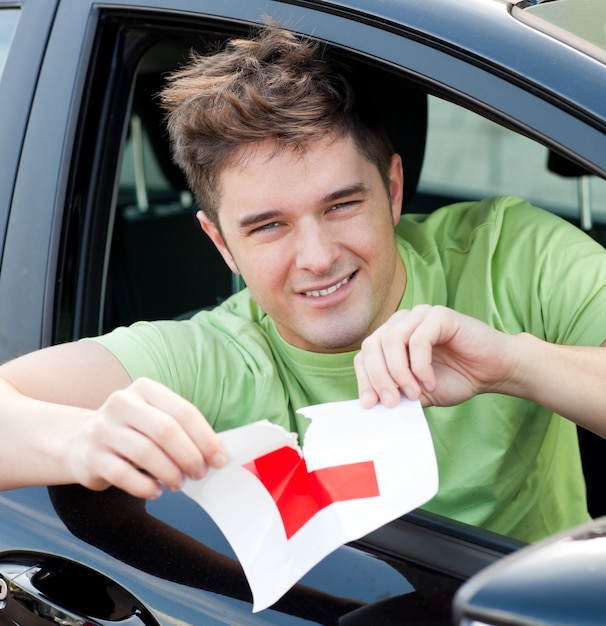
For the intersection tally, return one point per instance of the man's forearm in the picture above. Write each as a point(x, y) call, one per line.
point(35, 439)
point(71, 413)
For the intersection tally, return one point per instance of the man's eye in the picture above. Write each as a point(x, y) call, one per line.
point(266, 228)
point(342, 206)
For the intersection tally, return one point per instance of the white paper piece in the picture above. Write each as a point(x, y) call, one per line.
point(359, 469)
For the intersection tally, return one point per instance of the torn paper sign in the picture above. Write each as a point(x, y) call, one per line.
point(284, 509)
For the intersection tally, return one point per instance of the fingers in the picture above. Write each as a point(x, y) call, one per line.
point(179, 428)
point(375, 382)
point(397, 358)
point(145, 436)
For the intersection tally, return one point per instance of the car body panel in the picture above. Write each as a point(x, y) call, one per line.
point(159, 552)
point(557, 581)
point(17, 84)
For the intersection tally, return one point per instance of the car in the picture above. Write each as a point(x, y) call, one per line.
point(97, 230)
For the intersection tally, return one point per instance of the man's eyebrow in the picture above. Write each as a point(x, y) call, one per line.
point(257, 218)
point(266, 216)
point(350, 190)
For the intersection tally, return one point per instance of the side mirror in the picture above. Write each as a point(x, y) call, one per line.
point(558, 581)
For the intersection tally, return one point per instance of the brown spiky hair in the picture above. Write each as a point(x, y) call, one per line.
point(274, 86)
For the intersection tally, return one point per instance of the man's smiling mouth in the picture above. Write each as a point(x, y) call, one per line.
point(326, 292)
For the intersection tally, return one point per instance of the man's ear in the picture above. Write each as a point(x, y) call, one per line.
point(210, 228)
point(396, 187)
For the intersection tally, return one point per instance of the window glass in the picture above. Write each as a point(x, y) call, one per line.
point(469, 157)
point(8, 21)
point(580, 23)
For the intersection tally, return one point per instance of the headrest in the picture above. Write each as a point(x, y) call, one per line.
point(562, 166)
point(147, 106)
point(402, 110)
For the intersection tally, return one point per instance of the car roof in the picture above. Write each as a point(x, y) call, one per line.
point(545, 45)
point(579, 23)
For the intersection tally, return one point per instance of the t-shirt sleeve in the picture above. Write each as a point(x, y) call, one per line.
point(554, 272)
point(226, 372)
point(162, 351)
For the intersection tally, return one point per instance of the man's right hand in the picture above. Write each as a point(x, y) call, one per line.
point(142, 436)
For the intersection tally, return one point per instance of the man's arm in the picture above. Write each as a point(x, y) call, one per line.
point(566, 379)
point(70, 413)
point(443, 358)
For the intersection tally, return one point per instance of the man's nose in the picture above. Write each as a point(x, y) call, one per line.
point(316, 249)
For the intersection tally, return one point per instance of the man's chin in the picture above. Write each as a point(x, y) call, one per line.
point(334, 340)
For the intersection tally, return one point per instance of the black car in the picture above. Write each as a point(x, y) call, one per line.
point(97, 230)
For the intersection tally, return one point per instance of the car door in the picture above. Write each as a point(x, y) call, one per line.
point(26, 28)
point(83, 230)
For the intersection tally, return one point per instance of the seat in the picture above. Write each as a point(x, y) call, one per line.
point(161, 263)
point(402, 109)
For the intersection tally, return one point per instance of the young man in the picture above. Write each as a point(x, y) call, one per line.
point(469, 309)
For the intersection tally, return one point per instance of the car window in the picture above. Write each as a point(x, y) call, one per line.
point(580, 23)
point(160, 265)
point(156, 262)
point(8, 21)
point(468, 156)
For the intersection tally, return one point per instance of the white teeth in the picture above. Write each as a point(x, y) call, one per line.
point(326, 292)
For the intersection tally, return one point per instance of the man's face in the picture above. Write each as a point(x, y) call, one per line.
point(312, 235)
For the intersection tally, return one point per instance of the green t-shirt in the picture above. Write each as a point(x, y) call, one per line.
point(504, 463)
